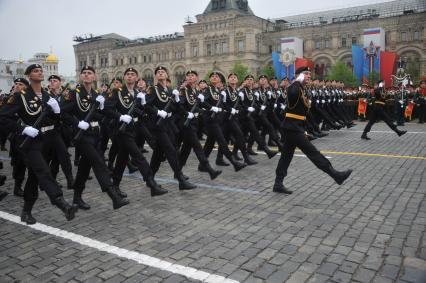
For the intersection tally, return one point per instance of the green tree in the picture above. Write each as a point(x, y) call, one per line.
point(413, 69)
point(241, 70)
point(341, 72)
point(373, 77)
point(269, 71)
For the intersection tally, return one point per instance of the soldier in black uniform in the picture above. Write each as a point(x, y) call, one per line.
point(188, 124)
point(55, 150)
point(30, 105)
point(294, 127)
point(121, 108)
point(75, 112)
point(17, 161)
point(212, 101)
point(380, 112)
point(160, 104)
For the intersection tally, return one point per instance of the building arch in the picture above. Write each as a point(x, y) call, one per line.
point(322, 66)
point(179, 73)
point(148, 75)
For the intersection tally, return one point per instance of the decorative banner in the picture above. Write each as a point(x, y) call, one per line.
point(281, 70)
point(375, 35)
point(292, 44)
point(387, 66)
point(358, 61)
point(371, 62)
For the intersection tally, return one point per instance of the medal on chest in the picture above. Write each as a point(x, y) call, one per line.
point(83, 102)
point(125, 100)
point(162, 95)
point(33, 106)
point(190, 97)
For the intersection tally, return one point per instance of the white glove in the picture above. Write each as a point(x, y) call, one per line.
point(214, 109)
point(201, 97)
point(263, 107)
point(275, 105)
point(224, 96)
point(53, 103)
point(83, 125)
point(233, 111)
point(162, 114)
point(169, 114)
point(282, 106)
point(269, 94)
point(250, 109)
point(30, 131)
point(141, 96)
point(256, 94)
point(279, 92)
point(190, 115)
point(101, 101)
point(176, 95)
point(323, 101)
point(301, 78)
point(241, 95)
point(126, 118)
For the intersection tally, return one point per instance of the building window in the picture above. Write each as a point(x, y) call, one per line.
point(116, 62)
point(343, 41)
point(403, 36)
point(240, 45)
point(224, 47)
point(318, 44)
point(354, 40)
point(135, 60)
point(209, 50)
point(130, 60)
point(416, 35)
point(327, 43)
point(93, 62)
point(194, 51)
point(217, 48)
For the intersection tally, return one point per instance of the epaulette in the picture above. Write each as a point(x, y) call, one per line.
point(77, 90)
point(23, 92)
point(120, 89)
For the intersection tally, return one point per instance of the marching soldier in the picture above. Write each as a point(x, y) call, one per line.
point(81, 110)
point(189, 110)
point(123, 106)
point(380, 112)
point(421, 101)
point(38, 113)
point(160, 104)
point(294, 127)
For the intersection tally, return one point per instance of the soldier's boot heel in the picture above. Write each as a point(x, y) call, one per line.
point(237, 165)
point(339, 176)
point(67, 209)
point(117, 200)
point(26, 215)
point(156, 190)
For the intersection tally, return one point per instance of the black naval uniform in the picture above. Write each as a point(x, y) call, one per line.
point(119, 103)
point(74, 110)
point(294, 126)
point(379, 112)
point(29, 106)
point(212, 120)
point(188, 105)
point(160, 98)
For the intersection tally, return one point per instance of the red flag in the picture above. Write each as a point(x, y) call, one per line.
point(387, 66)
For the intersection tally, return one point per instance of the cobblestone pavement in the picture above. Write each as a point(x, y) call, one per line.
point(370, 229)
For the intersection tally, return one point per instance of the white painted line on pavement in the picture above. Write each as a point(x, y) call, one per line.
point(385, 132)
point(140, 258)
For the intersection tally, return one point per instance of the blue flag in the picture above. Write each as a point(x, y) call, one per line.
point(358, 61)
point(278, 66)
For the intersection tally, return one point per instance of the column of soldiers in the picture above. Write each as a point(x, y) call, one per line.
point(42, 126)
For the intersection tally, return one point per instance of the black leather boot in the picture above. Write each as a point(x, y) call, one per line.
point(250, 151)
point(66, 208)
point(120, 192)
point(26, 213)
point(156, 190)
point(78, 200)
point(399, 132)
point(213, 173)
point(235, 153)
point(220, 161)
point(117, 200)
point(237, 165)
point(338, 176)
point(279, 188)
point(365, 137)
point(269, 152)
point(132, 168)
point(183, 183)
point(248, 160)
point(17, 190)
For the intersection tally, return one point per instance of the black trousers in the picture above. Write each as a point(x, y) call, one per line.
point(249, 126)
point(298, 139)
point(422, 112)
point(215, 134)
point(378, 113)
point(165, 146)
point(56, 154)
point(399, 113)
point(17, 160)
point(127, 146)
point(38, 173)
point(190, 141)
point(91, 158)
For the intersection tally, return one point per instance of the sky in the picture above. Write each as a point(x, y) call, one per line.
point(31, 26)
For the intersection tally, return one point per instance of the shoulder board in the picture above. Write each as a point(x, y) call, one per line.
point(96, 91)
point(77, 90)
point(23, 92)
point(120, 89)
point(11, 99)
